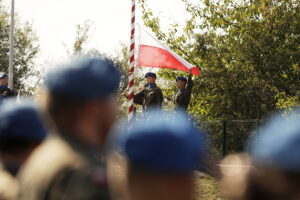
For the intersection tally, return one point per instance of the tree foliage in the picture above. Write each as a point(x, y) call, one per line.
point(248, 53)
point(26, 49)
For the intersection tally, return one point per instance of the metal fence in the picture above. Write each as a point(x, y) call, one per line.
point(229, 136)
point(223, 137)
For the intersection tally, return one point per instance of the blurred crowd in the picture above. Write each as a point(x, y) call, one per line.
point(68, 145)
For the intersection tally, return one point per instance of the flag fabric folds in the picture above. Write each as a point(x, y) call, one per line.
point(152, 53)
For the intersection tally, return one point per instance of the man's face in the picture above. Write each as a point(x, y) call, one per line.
point(180, 84)
point(4, 81)
point(94, 121)
point(151, 80)
point(107, 116)
point(161, 187)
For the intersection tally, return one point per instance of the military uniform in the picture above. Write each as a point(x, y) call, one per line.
point(6, 92)
point(150, 97)
point(21, 129)
point(67, 171)
point(65, 167)
point(183, 97)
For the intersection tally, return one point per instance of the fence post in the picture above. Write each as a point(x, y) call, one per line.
point(224, 137)
point(134, 114)
point(257, 128)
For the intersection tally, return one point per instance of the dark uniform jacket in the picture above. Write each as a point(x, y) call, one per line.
point(150, 97)
point(62, 168)
point(6, 92)
point(183, 97)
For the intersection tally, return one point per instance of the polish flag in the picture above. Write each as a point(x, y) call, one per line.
point(152, 53)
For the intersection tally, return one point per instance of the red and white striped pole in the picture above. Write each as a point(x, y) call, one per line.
point(132, 65)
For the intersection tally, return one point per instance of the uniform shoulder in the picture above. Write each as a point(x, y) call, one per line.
point(48, 160)
point(79, 184)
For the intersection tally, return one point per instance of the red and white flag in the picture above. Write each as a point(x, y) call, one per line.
point(152, 53)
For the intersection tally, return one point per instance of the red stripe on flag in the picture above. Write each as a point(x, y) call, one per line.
point(150, 56)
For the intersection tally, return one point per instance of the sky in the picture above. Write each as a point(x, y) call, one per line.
point(54, 22)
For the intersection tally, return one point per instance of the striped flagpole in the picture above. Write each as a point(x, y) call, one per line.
point(132, 65)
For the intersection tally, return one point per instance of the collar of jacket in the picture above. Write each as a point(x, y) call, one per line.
point(152, 86)
point(93, 153)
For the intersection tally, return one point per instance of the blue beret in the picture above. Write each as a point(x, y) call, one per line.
point(150, 74)
point(279, 143)
point(3, 75)
point(181, 78)
point(168, 143)
point(86, 79)
point(21, 121)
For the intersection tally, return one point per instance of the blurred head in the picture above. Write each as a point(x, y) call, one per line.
point(161, 156)
point(21, 131)
point(80, 99)
point(273, 164)
point(151, 77)
point(3, 79)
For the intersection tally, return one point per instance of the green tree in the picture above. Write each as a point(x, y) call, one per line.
point(26, 49)
point(248, 53)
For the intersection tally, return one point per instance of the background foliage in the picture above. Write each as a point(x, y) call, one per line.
point(248, 53)
point(26, 49)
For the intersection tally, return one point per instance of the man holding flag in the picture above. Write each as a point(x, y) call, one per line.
point(183, 97)
point(151, 96)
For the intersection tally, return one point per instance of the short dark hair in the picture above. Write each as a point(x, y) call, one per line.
point(14, 146)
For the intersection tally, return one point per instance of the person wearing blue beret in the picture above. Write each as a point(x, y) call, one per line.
point(4, 90)
point(21, 132)
point(271, 170)
point(183, 96)
point(151, 97)
point(158, 159)
point(80, 104)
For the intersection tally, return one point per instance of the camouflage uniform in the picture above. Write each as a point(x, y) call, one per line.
point(150, 97)
point(183, 97)
point(68, 171)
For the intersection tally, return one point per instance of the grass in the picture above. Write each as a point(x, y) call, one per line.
point(207, 188)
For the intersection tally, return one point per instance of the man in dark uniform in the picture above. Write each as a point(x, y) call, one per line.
point(69, 164)
point(4, 90)
point(21, 131)
point(151, 96)
point(183, 97)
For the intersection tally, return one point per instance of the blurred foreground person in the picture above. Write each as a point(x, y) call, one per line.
point(157, 159)
point(21, 131)
point(271, 171)
point(69, 165)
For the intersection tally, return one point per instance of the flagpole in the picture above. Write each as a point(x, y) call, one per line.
point(132, 65)
point(11, 47)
